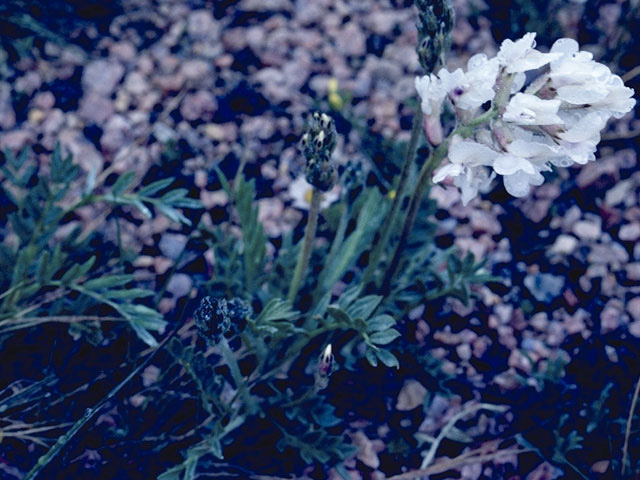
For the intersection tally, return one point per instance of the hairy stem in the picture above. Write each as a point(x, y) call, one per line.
point(387, 227)
point(307, 242)
point(424, 179)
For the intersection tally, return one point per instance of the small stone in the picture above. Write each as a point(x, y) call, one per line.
point(163, 132)
point(122, 101)
point(633, 307)
point(124, 51)
point(629, 232)
point(180, 285)
point(136, 83)
point(610, 319)
point(95, 108)
point(587, 230)
point(618, 193)
point(381, 21)
point(201, 25)
point(544, 286)
point(16, 139)
point(198, 106)
point(214, 132)
point(44, 101)
point(195, 70)
point(116, 133)
point(102, 76)
point(540, 321)
point(411, 395)
point(464, 351)
point(564, 245)
point(351, 41)
point(633, 271)
point(172, 244)
point(29, 83)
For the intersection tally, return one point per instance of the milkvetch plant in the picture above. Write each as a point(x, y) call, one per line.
point(275, 319)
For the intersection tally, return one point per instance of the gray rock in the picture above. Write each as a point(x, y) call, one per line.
point(180, 285)
point(544, 286)
point(172, 244)
point(95, 108)
point(201, 25)
point(136, 83)
point(351, 41)
point(564, 245)
point(117, 133)
point(629, 232)
point(587, 230)
point(102, 76)
point(198, 106)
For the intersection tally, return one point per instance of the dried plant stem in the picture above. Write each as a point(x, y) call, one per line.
point(460, 461)
point(390, 220)
point(89, 413)
point(627, 432)
point(428, 458)
point(307, 242)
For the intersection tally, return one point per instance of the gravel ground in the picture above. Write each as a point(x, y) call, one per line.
point(223, 81)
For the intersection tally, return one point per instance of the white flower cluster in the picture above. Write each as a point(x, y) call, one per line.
point(556, 120)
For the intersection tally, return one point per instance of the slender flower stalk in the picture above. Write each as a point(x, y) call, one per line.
point(318, 144)
point(307, 242)
point(401, 193)
point(424, 180)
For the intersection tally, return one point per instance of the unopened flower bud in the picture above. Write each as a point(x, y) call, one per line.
point(435, 23)
point(317, 146)
point(212, 318)
point(326, 361)
point(239, 311)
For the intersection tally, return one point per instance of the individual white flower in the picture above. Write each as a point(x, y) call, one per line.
point(432, 93)
point(582, 125)
point(579, 80)
point(470, 90)
point(470, 153)
point(521, 55)
point(526, 109)
point(299, 191)
point(468, 168)
point(618, 101)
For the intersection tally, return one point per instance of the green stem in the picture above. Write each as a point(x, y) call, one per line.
point(424, 180)
point(238, 379)
point(390, 220)
point(307, 242)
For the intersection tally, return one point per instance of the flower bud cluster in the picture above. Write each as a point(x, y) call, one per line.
point(435, 23)
point(318, 144)
point(555, 121)
point(217, 317)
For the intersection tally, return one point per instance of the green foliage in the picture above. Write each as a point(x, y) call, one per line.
point(42, 267)
point(254, 239)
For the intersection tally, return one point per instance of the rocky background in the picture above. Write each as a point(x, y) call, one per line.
point(176, 87)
